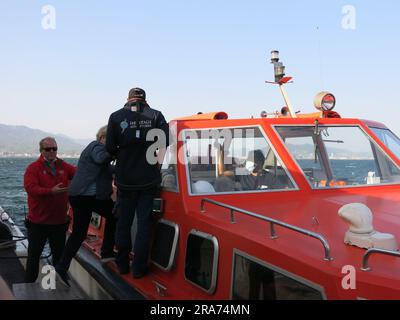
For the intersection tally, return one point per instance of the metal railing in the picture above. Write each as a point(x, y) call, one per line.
point(370, 251)
point(272, 222)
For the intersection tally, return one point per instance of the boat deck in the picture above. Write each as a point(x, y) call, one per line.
point(12, 271)
point(34, 291)
point(11, 268)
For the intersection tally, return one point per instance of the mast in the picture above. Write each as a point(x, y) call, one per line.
point(281, 80)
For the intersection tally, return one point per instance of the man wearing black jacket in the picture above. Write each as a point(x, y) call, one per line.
point(130, 138)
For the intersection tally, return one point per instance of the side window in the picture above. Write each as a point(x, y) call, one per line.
point(233, 160)
point(201, 263)
point(393, 145)
point(164, 244)
point(392, 142)
point(254, 281)
point(169, 177)
point(389, 139)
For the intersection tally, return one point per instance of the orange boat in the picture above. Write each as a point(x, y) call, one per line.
point(284, 206)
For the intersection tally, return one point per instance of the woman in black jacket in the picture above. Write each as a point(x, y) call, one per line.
point(90, 191)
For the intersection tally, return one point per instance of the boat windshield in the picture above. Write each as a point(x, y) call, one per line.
point(389, 139)
point(233, 160)
point(338, 156)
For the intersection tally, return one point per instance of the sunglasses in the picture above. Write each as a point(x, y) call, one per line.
point(54, 149)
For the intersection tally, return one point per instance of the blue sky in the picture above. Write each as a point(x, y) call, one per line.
point(193, 56)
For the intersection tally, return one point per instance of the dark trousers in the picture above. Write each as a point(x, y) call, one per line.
point(83, 206)
point(129, 203)
point(38, 234)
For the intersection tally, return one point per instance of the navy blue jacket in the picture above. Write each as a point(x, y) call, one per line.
point(93, 167)
point(126, 139)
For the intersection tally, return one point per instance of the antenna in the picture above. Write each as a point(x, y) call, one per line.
point(281, 80)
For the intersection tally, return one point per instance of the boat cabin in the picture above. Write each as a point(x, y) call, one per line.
point(226, 232)
point(282, 206)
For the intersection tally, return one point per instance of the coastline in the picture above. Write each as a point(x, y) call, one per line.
point(33, 155)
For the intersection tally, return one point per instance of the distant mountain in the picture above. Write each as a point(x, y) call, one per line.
point(307, 151)
point(83, 142)
point(21, 140)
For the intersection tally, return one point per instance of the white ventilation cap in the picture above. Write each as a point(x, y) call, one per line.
point(361, 232)
point(358, 216)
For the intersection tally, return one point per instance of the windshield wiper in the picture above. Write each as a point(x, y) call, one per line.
point(336, 141)
point(316, 134)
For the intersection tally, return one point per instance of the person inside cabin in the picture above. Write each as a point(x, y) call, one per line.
point(46, 182)
point(137, 173)
point(90, 191)
point(224, 184)
point(257, 178)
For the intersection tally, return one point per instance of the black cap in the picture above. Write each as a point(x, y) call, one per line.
point(137, 93)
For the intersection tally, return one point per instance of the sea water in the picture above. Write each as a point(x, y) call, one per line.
point(13, 197)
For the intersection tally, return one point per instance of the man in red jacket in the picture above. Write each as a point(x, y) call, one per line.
point(46, 182)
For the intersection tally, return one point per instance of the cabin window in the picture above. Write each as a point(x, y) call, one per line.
point(169, 177)
point(338, 156)
point(389, 139)
point(164, 244)
point(255, 281)
point(233, 160)
point(201, 261)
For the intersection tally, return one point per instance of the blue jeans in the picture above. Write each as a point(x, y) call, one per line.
point(129, 203)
